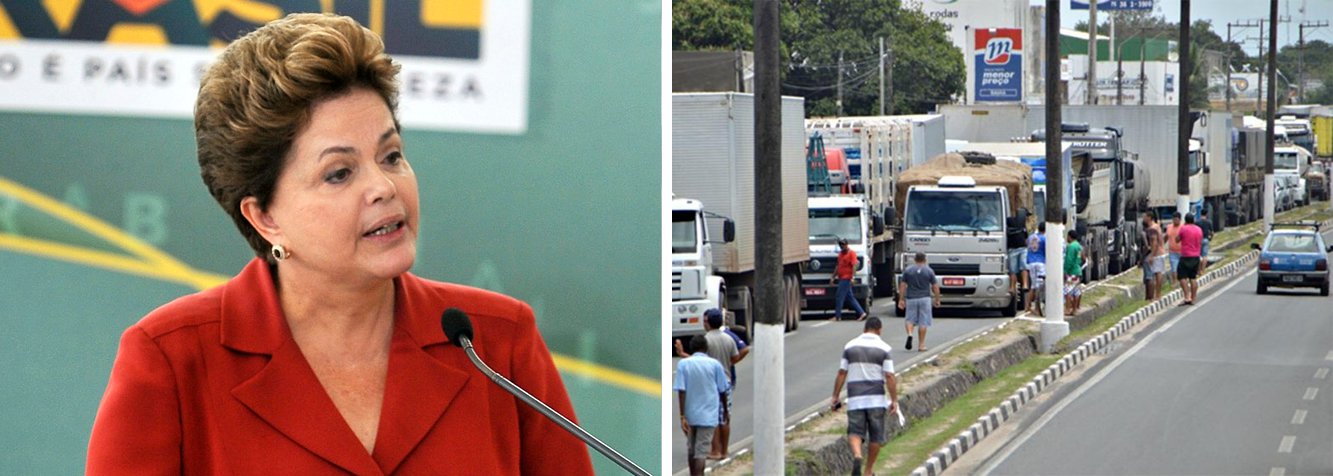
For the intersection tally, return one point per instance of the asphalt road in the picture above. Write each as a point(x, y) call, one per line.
point(1237, 384)
point(811, 362)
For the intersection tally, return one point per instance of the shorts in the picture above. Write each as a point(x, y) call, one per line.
point(1175, 261)
point(1158, 264)
point(1203, 252)
point(867, 423)
point(918, 311)
point(1146, 265)
point(700, 443)
point(1036, 274)
point(1017, 257)
point(1189, 268)
point(1072, 286)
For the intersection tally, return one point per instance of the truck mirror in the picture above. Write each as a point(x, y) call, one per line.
point(877, 224)
point(1207, 169)
point(728, 231)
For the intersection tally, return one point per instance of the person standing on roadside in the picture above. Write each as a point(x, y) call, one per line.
point(1036, 265)
point(722, 347)
point(1156, 254)
point(1191, 244)
point(1073, 274)
point(1173, 246)
point(1207, 227)
point(702, 385)
point(867, 369)
point(843, 275)
point(917, 292)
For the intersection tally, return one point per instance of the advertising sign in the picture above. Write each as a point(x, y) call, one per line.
point(998, 65)
point(1112, 5)
point(464, 63)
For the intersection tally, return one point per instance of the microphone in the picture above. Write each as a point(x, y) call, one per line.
point(458, 328)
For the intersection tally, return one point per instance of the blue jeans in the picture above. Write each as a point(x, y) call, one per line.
point(845, 292)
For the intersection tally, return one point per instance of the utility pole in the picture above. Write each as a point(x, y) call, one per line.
point(1245, 24)
point(1272, 106)
point(769, 381)
point(881, 76)
point(888, 82)
point(1259, 93)
point(839, 82)
point(1186, 125)
point(1300, 87)
point(1143, 78)
point(1054, 327)
point(1092, 52)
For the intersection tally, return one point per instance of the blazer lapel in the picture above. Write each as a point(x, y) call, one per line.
point(288, 396)
point(417, 392)
point(419, 386)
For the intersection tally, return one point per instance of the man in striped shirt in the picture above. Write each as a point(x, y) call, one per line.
point(867, 369)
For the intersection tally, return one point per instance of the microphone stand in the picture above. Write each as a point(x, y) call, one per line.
point(548, 412)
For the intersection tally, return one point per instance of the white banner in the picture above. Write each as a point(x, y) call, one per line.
point(488, 95)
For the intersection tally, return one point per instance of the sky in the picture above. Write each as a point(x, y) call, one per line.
point(1222, 12)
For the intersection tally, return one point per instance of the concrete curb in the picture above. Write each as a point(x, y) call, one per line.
point(956, 447)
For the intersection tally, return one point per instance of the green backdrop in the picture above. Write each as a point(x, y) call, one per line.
point(566, 216)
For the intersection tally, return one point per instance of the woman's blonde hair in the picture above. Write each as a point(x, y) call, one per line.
point(259, 94)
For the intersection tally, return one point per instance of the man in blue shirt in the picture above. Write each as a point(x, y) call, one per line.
point(702, 386)
point(1036, 265)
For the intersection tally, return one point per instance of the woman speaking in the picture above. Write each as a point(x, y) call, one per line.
point(324, 355)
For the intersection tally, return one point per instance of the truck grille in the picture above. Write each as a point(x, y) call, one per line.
point(956, 269)
point(686, 283)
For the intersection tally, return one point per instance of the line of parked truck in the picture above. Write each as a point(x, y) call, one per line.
point(965, 186)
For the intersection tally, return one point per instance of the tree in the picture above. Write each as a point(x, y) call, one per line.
point(927, 68)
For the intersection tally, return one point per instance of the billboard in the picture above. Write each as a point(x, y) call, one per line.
point(998, 65)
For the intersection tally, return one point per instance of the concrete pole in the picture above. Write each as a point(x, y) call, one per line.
point(1269, 195)
point(769, 381)
point(1054, 327)
point(1186, 125)
point(1092, 53)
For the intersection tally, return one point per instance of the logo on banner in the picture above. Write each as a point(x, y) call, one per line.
point(997, 50)
point(998, 65)
point(464, 62)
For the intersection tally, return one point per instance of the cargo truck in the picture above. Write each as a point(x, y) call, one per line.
point(964, 212)
point(712, 164)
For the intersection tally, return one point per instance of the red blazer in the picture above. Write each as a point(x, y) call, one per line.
point(212, 383)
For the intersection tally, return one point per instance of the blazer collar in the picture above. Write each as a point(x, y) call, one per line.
point(287, 395)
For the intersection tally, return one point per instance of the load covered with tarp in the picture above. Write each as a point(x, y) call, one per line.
point(983, 168)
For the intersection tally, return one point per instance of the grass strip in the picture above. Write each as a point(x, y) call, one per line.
point(909, 449)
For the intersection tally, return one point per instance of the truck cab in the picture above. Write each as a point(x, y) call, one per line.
point(832, 217)
point(1289, 165)
point(962, 227)
point(694, 287)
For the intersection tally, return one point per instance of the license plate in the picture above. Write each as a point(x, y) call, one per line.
point(814, 291)
point(1292, 278)
point(953, 281)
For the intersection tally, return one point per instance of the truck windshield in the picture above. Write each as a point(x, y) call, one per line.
point(829, 224)
point(1039, 205)
point(954, 210)
point(1285, 160)
point(683, 239)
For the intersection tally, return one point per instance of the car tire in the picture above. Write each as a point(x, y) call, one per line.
point(1261, 288)
point(1323, 290)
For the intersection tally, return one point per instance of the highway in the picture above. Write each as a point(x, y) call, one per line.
point(811, 363)
point(1237, 384)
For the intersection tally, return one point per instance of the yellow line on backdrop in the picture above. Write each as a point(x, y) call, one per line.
point(157, 264)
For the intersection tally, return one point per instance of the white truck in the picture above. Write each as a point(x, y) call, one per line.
point(835, 217)
point(878, 148)
point(1289, 165)
point(965, 213)
point(712, 165)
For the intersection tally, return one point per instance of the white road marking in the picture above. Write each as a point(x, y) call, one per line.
point(1321, 374)
point(821, 324)
point(1299, 417)
point(1046, 418)
point(1311, 392)
point(1329, 356)
point(1287, 442)
point(1278, 472)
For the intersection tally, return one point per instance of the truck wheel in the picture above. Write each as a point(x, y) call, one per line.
point(792, 309)
point(1012, 309)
